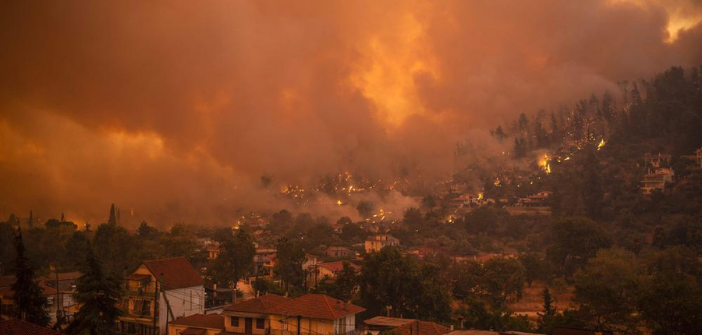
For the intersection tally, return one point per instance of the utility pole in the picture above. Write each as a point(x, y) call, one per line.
point(316, 272)
point(58, 305)
point(156, 305)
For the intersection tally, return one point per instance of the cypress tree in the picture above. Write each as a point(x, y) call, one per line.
point(113, 219)
point(30, 221)
point(28, 295)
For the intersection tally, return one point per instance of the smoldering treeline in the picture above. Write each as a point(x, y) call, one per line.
point(175, 110)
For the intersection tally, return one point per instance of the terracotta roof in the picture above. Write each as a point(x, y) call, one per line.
point(212, 321)
point(425, 328)
point(177, 272)
point(7, 291)
point(193, 331)
point(19, 327)
point(384, 321)
point(338, 266)
point(258, 305)
point(339, 248)
point(65, 275)
point(316, 306)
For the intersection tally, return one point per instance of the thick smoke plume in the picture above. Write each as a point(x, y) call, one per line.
point(174, 110)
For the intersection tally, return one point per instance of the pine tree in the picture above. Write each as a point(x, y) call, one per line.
point(113, 218)
point(500, 134)
point(549, 309)
point(98, 293)
point(28, 295)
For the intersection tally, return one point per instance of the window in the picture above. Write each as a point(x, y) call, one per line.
point(260, 323)
point(235, 321)
point(146, 308)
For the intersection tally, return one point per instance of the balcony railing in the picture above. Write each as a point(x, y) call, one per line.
point(139, 314)
point(147, 290)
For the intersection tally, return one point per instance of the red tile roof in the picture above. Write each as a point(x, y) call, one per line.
point(425, 328)
point(316, 306)
point(177, 272)
point(338, 266)
point(212, 321)
point(385, 321)
point(193, 331)
point(64, 275)
point(19, 327)
point(258, 305)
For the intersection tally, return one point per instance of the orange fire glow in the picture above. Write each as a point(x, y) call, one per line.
point(387, 77)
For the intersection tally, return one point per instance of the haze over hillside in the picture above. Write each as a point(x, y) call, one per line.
point(177, 110)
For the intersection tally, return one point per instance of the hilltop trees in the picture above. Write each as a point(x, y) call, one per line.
point(28, 295)
point(580, 191)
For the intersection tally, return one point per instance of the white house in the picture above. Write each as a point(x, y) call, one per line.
point(160, 291)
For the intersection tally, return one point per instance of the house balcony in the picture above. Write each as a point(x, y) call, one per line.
point(136, 314)
point(145, 292)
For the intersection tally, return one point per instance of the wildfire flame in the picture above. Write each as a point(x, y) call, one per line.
point(544, 163)
point(602, 144)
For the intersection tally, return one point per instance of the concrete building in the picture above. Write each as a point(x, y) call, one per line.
point(58, 290)
point(310, 314)
point(159, 291)
point(340, 252)
point(378, 242)
point(656, 180)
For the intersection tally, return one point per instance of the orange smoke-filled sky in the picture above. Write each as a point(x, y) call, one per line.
point(174, 109)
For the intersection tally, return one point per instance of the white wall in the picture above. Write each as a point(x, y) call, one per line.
point(183, 302)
